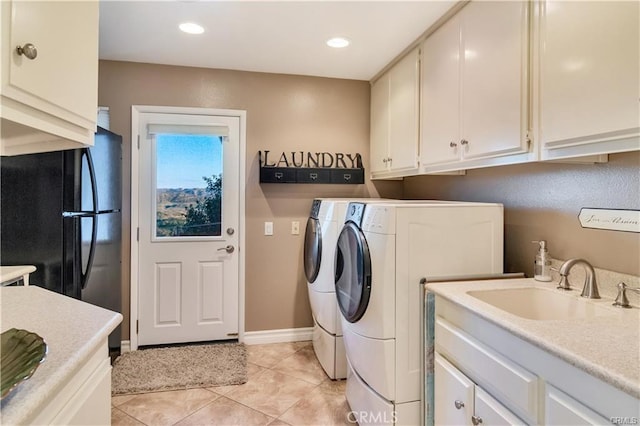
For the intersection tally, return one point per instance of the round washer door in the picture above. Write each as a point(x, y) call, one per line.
point(352, 272)
point(312, 249)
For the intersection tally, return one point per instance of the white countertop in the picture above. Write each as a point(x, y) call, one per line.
point(607, 347)
point(72, 329)
point(10, 273)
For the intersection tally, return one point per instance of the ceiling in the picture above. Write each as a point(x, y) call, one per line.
point(285, 37)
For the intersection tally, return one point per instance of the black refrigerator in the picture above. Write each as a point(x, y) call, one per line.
point(60, 211)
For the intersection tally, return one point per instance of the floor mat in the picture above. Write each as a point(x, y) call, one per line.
point(182, 367)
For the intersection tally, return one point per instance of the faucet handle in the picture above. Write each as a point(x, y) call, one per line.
point(563, 284)
point(621, 299)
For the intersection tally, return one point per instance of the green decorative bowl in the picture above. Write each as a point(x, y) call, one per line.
point(21, 352)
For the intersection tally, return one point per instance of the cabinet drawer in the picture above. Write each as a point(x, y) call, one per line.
point(313, 175)
point(277, 175)
point(561, 409)
point(504, 379)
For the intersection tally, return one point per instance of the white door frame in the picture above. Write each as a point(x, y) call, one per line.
point(136, 110)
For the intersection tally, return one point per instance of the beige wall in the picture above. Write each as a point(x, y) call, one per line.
point(284, 113)
point(542, 201)
point(287, 112)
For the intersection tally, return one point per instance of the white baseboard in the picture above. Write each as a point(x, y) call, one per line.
point(125, 346)
point(278, 336)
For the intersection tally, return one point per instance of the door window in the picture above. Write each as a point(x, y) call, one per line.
point(189, 186)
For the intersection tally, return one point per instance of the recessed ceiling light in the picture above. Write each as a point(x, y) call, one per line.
point(191, 28)
point(338, 42)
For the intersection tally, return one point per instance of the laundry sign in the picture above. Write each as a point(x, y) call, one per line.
point(310, 159)
point(611, 219)
point(311, 167)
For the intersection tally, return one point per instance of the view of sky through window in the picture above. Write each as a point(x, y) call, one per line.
point(183, 160)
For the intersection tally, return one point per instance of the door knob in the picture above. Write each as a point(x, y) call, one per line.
point(28, 50)
point(228, 249)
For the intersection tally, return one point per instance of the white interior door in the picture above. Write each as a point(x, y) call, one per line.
point(188, 228)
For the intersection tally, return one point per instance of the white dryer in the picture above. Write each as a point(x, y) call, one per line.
point(383, 252)
point(321, 234)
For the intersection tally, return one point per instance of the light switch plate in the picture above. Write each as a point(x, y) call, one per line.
point(268, 228)
point(295, 228)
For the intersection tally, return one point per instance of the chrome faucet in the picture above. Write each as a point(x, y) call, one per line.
point(590, 289)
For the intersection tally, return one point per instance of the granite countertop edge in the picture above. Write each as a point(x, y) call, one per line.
point(27, 400)
point(525, 328)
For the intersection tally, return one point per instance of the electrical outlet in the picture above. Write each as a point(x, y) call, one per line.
point(268, 228)
point(295, 228)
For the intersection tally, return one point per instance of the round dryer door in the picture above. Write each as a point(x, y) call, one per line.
point(312, 249)
point(352, 272)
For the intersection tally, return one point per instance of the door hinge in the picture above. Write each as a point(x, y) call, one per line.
point(232, 334)
point(528, 140)
point(138, 141)
point(137, 327)
point(137, 234)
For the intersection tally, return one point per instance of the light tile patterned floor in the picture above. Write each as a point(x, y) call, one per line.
point(286, 386)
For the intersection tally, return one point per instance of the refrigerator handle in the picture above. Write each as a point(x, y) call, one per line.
point(92, 252)
point(94, 228)
point(92, 176)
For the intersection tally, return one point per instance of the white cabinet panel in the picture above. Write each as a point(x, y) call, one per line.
point(440, 95)
point(589, 77)
point(379, 142)
point(562, 410)
point(48, 102)
point(490, 412)
point(494, 78)
point(395, 119)
point(453, 397)
point(475, 93)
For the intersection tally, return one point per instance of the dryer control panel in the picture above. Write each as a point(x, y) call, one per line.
point(355, 211)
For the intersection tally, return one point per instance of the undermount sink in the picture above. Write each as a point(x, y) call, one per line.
point(540, 304)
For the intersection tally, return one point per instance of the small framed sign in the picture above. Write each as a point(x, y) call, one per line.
point(611, 219)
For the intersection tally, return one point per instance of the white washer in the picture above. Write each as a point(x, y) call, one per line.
point(325, 221)
point(383, 252)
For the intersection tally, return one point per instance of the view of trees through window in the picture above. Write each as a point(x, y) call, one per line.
point(188, 195)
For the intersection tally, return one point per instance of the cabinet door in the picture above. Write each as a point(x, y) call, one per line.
point(453, 394)
point(379, 138)
point(440, 95)
point(491, 412)
point(494, 88)
point(65, 72)
point(404, 78)
point(589, 68)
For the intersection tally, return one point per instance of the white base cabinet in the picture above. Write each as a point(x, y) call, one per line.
point(86, 398)
point(48, 102)
point(498, 377)
point(587, 80)
point(459, 401)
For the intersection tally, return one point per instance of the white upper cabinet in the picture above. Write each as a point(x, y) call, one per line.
point(589, 77)
point(49, 99)
point(475, 92)
point(395, 119)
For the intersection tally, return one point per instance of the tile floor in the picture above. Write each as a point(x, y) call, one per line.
point(287, 386)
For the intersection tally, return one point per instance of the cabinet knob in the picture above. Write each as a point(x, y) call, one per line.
point(459, 404)
point(28, 50)
point(389, 159)
point(464, 142)
point(453, 144)
point(476, 420)
point(384, 160)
